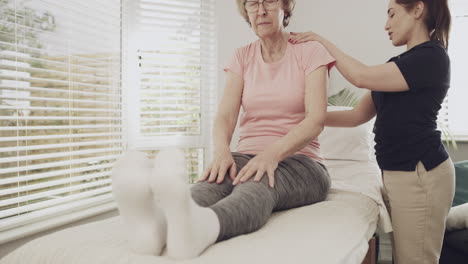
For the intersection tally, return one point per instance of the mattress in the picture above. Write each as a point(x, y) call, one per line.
point(362, 177)
point(335, 231)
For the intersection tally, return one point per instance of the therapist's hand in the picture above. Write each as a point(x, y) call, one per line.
point(296, 38)
point(222, 162)
point(265, 162)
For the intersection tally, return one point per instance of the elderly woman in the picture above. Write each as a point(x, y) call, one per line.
point(282, 89)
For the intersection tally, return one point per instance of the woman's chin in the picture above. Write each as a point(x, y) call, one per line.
point(261, 34)
point(264, 33)
point(398, 43)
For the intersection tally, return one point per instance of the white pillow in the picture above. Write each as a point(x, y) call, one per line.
point(458, 217)
point(347, 143)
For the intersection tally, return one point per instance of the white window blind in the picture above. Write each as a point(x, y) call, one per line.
point(60, 111)
point(457, 104)
point(172, 59)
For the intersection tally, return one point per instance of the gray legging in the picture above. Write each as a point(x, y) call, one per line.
point(246, 207)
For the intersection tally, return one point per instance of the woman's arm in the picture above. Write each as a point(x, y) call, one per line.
point(363, 112)
point(223, 128)
point(315, 101)
point(228, 112)
point(384, 78)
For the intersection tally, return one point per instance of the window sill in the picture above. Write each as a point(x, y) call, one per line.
point(461, 138)
point(31, 229)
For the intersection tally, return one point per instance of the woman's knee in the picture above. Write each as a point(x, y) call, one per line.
point(206, 194)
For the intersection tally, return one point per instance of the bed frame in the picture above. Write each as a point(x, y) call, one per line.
point(371, 256)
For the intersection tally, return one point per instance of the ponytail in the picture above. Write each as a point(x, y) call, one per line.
point(441, 21)
point(437, 18)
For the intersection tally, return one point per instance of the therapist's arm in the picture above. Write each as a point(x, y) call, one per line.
point(363, 112)
point(315, 102)
point(384, 77)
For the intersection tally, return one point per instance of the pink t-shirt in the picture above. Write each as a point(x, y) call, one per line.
point(273, 95)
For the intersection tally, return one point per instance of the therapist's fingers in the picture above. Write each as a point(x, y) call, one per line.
point(302, 37)
point(294, 38)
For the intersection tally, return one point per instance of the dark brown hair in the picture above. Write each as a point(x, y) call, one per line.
point(437, 17)
point(288, 7)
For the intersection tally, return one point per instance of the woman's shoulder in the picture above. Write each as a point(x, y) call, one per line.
point(432, 44)
point(248, 49)
point(439, 50)
point(430, 52)
point(246, 53)
point(429, 48)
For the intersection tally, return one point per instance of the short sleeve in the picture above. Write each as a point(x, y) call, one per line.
point(315, 55)
point(424, 68)
point(236, 63)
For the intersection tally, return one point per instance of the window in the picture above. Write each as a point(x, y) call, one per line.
point(60, 111)
point(172, 60)
point(456, 103)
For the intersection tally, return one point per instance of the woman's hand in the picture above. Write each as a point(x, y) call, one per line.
point(296, 38)
point(266, 161)
point(217, 170)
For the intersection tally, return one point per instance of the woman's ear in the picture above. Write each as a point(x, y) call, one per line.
point(418, 10)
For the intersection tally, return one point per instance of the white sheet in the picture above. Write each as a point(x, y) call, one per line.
point(335, 231)
point(361, 177)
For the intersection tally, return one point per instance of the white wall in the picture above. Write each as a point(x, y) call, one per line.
point(357, 27)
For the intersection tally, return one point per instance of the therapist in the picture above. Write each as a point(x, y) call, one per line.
point(406, 94)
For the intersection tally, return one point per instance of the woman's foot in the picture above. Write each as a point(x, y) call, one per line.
point(143, 220)
point(190, 227)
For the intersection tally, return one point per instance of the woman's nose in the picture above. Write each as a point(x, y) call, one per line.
point(387, 26)
point(261, 9)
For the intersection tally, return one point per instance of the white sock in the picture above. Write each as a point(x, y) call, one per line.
point(190, 227)
point(143, 220)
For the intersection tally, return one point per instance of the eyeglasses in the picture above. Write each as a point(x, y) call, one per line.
point(252, 6)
